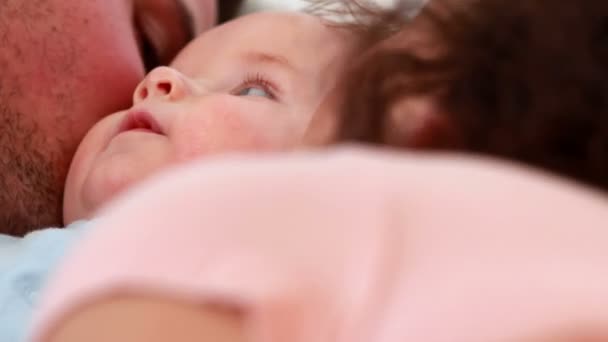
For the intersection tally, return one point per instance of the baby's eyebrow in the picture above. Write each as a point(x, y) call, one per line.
point(269, 58)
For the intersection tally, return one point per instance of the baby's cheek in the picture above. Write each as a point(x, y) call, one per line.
point(231, 128)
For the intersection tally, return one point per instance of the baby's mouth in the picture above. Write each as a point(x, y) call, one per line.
point(140, 121)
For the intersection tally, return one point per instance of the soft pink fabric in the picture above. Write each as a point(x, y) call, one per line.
point(351, 246)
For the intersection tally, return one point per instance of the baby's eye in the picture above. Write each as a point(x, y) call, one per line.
point(258, 91)
point(257, 85)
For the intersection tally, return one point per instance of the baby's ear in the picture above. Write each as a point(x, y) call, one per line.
point(323, 127)
point(417, 123)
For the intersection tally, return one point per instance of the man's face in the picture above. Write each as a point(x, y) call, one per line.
point(64, 64)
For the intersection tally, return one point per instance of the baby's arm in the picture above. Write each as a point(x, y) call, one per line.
point(150, 319)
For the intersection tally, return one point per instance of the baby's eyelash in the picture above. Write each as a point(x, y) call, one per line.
point(258, 79)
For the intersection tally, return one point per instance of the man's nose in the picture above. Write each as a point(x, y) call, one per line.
point(162, 83)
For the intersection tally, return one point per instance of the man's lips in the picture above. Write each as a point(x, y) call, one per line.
point(141, 121)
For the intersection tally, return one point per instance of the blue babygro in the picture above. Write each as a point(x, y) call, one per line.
point(25, 264)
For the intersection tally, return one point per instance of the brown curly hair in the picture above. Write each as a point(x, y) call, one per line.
point(524, 80)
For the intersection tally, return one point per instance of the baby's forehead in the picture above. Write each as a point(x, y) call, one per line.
point(302, 39)
point(279, 25)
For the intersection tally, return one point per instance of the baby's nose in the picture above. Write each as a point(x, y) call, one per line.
point(162, 83)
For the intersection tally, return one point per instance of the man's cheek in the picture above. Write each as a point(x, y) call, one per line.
point(98, 65)
point(113, 61)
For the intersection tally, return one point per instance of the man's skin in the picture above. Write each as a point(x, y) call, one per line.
point(64, 64)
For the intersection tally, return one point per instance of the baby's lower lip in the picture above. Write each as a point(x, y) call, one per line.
point(143, 130)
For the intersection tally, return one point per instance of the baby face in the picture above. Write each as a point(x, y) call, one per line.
point(251, 85)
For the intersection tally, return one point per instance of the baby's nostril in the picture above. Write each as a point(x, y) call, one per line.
point(143, 93)
point(164, 87)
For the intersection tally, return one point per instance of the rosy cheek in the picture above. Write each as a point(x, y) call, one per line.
point(227, 128)
point(220, 136)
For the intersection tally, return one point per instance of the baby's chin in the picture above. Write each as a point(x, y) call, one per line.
point(108, 178)
point(97, 190)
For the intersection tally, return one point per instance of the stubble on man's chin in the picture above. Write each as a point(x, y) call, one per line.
point(31, 196)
